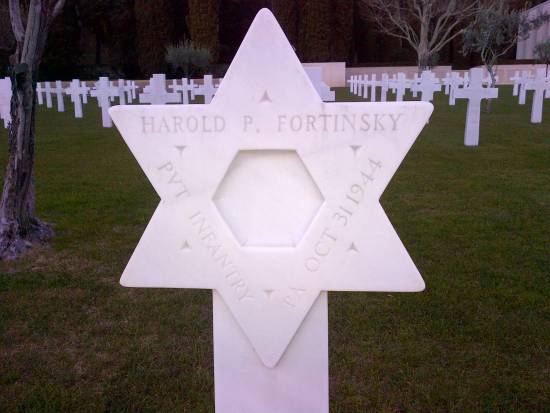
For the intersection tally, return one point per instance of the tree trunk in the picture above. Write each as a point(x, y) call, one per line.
point(423, 52)
point(19, 228)
point(491, 71)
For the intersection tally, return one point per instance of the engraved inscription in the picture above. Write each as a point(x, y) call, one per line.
point(282, 123)
point(174, 179)
point(341, 217)
point(221, 257)
point(325, 122)
point(182, 124)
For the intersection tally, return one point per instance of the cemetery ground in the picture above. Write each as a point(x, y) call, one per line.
point(474, 220)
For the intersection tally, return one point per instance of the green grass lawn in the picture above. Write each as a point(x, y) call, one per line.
point(475, 220)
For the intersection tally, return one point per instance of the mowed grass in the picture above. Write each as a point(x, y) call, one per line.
point(475, 221)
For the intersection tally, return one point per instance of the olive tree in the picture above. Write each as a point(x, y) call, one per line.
point(542, 53)
point(19, 227)
point(495, 30)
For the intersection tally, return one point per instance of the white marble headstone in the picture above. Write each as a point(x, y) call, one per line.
point(5, 100)
point(39, 93)
point(184, 88)
point(156, 94)
point(58, 90)
point(516, 79)
point(103, 92)
point(270, 197)
point(206, 89)
point(315, 74)
point(475, 93)
point(526, 78)
point(76, 91)
point(539, 86)
point(48, 92)
point(428, 85)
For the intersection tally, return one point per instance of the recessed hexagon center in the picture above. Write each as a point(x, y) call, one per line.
point(268, 198)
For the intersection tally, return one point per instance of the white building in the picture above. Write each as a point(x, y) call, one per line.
point(526, 47)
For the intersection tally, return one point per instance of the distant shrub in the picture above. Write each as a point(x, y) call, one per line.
point(188, 58)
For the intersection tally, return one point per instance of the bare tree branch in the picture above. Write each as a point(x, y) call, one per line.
point(16, 22)
point(57, 8)
point(427, 25)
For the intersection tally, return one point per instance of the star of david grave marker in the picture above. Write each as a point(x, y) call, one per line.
point(273, 201)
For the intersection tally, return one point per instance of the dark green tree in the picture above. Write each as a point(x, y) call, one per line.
point(155, 28)
point(286, 12)
point(314, 33)
point(342, 30)
point(203, 22)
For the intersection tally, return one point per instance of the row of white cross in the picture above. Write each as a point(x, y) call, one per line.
point(472, 86)
point(106, 92)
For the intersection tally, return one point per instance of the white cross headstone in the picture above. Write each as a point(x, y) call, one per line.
point(401, 85)
point(446, 81)
point(184, 88)
point(475, 93)
point(455, 82)
point(415, 82)
point(39, 93)
point(356, 84)
point(131, 90)
point(428, 85)
point(487, 81)
point(315, 75)
point(76, 91)
point(156, 93)
point(393, 83)
point(5, 100)
point(103, 91)
point(538, 85)
point(48, 92)
point(121, 89)
point(516, 79)
point(59, 95)
point(350, 83)
point(363, 81)
point(207, 89)
point(373, 84)
point(270, 197)
point(523, 85)
point(384, 86)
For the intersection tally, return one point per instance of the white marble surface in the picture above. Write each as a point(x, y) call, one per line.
point(267, 109)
